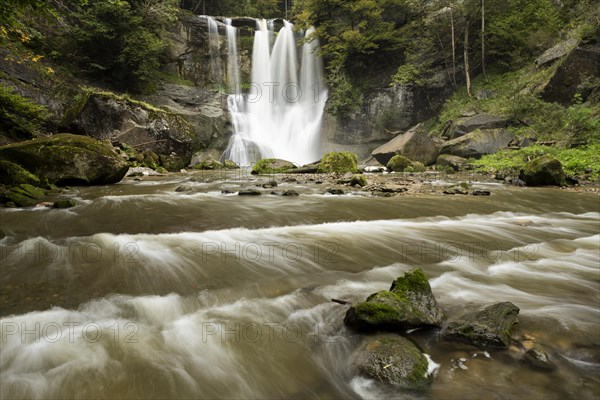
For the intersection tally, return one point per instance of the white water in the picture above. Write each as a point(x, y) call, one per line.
point(233, 68)
point(281, 115)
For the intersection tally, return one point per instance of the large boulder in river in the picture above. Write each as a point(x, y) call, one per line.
point(414, 144)
point(408, 304)
point(271, 166)
point(67, 159)
point(339, 162)
point(543, 171)
point(490, 327)
point(479, 121)
point(478, 143)
point(393, 360)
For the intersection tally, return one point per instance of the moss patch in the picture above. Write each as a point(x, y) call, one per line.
point(339, 162)
point(271, 166)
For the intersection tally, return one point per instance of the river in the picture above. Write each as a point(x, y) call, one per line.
point(144, 292)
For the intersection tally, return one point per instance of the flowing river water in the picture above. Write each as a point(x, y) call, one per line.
point(144, 292)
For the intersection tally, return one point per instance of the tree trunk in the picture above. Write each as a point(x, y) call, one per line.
point(483, 39)
point(466, 56)
point(453, 47)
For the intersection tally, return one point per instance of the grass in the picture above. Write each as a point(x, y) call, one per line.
point(517, 97)
point(580, 162)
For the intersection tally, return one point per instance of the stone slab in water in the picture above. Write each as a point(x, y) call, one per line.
point(489, 327)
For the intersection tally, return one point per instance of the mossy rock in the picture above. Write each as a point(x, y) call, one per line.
point(209, 164)
point(393, 360)
point(66, 159)
point(150, 159)
point(161, 170)
point(543, 171)
point(25, 195)
point(13, 174)
point(358, 180)
point(416, 166)
point(271, 166)
point(64, 203)
point(489, 327)
point(409, 303)
point(399, 163)
point(230, 164)
point(173, 163)
point(338, 162)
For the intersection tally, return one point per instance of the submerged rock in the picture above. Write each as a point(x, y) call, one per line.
point(271, 166)
point(414, 144)
point(290, 193)
point(542, 171)
point(184, 188)
point(335, 191)
point(338, 162)
point(408, 304)
point(489, 327)
point(66, 159)
point(249, 192)
point(538, 359)
point(64, 203)
point(393, 360)
point(269, 185)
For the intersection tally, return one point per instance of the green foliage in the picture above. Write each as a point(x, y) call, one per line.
point(355, 35)
point(582, 161)
point(20, 118)
point(236, 8)
point(121, 42)
point(517, 97)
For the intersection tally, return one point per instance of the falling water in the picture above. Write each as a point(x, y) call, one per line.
point(233, 69)
point(214, 50)
point(281, 114)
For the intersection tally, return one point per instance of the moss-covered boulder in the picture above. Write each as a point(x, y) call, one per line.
point(271, 166)
point(67, 159)
point(358, 180)
point(339, 162)
point(173, 162)
point(209, 164)
point(393, 360)
point(408, 304)
point(543, 171)
point(228, 164)
point(398, 163)
point(489, 327)
point(25, 195)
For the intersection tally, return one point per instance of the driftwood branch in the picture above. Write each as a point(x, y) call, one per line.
point(154, 141)
point(343, 302)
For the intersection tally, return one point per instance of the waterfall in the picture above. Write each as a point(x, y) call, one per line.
point(214, 48)
point(233, 68)
point(281, 114)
